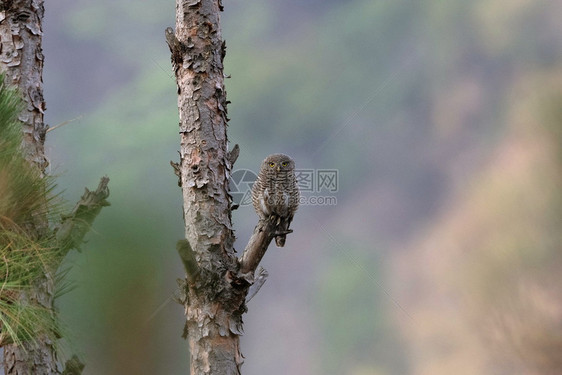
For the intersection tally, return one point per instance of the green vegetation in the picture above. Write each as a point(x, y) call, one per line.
point(24, 195)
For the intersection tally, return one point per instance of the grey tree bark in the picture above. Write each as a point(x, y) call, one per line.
point(217, 282)
point(21, 60)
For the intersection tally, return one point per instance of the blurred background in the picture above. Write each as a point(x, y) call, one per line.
point(443, 120)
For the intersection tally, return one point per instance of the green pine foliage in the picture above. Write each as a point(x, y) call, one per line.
point(25, 259)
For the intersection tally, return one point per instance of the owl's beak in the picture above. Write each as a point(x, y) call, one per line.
point(278, 169)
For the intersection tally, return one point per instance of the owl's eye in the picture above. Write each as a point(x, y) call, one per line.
point(272, 164)
point(284, 164)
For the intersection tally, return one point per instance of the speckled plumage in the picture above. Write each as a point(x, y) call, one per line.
point(275, 194)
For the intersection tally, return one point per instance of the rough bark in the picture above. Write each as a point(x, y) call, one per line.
point(21, 59)
point(215, 286)
point(213, 307)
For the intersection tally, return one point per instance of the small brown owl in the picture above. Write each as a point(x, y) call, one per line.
point(275, 194)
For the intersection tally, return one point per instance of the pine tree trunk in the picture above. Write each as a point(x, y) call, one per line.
point(214, 303)
point(217, 284)
point(21, 59)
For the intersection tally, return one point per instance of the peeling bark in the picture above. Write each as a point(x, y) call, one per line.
point(21, 59)
point(213, 303)
point(217, 283)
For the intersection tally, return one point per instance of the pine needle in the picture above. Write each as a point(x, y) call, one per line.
point(64, 123)
point(25, 257)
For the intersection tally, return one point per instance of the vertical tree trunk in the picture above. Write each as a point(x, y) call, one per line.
point(217, 282)
point(212, 306)
point(21, 59)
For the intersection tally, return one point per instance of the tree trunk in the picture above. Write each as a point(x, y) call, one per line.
point(212, 306)
point(21, 59)
point(217, 282)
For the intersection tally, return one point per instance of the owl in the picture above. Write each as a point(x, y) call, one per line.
point(275, 194)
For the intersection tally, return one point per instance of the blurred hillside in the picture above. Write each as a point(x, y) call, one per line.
point(443, 122)
point(487, 297)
